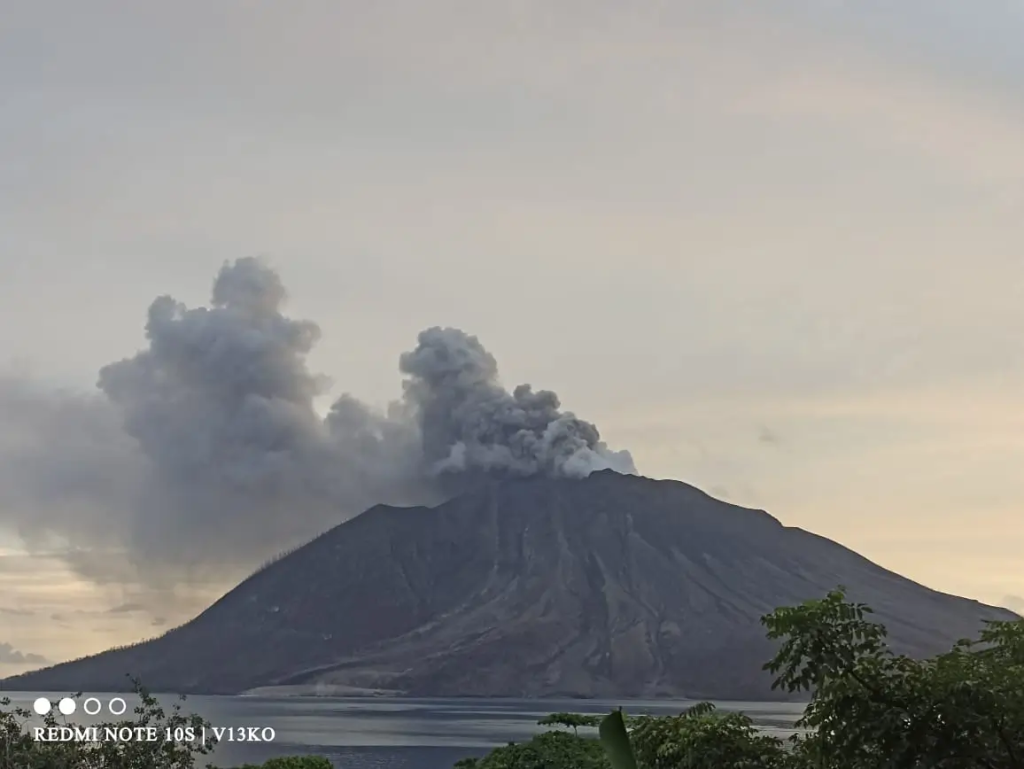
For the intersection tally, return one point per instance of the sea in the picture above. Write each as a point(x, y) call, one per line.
point(378, 733)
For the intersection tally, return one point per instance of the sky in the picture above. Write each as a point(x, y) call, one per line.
point(773, 250)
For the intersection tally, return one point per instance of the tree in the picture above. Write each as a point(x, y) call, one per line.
point(699, 738)
point(570, 720)
point(551, 750)
point(704, 738)
point(871, 708)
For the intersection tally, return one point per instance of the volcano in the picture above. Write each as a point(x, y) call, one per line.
point(609, 586)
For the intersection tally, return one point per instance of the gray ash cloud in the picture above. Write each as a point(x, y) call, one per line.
point(11, 656)
point(468, 421)
point(204, 454)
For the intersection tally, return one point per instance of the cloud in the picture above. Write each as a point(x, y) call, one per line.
point(16, 612)
point(720, 492)
point(1014, 603)
point(11, 656)
point(127, 608)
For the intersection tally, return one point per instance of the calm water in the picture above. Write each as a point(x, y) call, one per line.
point(393, 733)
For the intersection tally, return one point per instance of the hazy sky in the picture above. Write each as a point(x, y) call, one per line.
point(774, 249)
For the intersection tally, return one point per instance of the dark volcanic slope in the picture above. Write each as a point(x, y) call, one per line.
point(611, 586)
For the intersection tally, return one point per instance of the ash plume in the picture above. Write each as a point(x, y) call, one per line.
point(468, 421)
point(203, 454)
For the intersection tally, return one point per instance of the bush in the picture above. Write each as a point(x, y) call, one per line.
point(703, 738)
point(293, 762)
point(545, 751)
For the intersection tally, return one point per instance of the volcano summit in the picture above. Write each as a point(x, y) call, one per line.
point(609, 585)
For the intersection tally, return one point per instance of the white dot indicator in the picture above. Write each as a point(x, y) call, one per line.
point(41, 706)
point(66, 706)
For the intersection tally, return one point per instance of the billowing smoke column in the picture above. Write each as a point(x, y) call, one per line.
point(468, 421)
point(206, 454)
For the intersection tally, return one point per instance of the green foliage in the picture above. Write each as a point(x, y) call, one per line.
point(704, 738)
point(293, 762)
point(571, 720)
point(551, 750)
point(871, 708)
